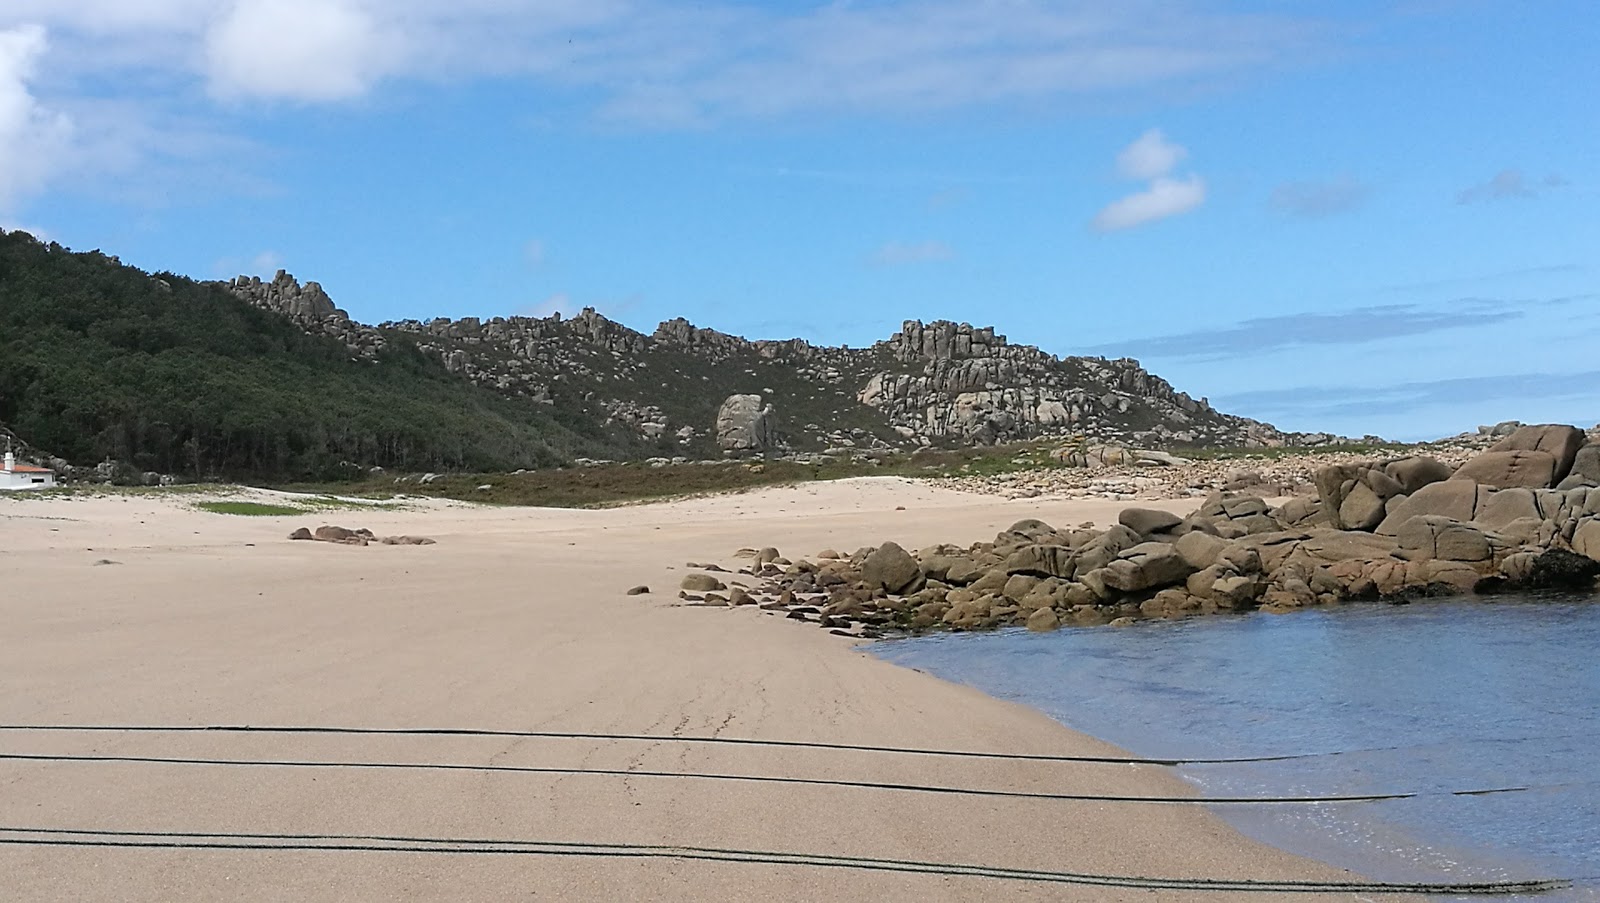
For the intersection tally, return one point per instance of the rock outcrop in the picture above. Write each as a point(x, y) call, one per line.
point(939, 383)
point(745, 423)
point(1447, 535)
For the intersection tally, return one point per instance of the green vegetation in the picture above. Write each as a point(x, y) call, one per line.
point(100, 360)
point(1275, 454)
point(249, 509)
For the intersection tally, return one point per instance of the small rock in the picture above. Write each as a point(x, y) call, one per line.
point(639, 591)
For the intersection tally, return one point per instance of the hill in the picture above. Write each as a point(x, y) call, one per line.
point(268, 378)
point(161, 373)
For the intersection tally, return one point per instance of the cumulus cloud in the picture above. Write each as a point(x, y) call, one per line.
point(1164, 198)
point(1510, 183)
point(301, 50)
point(1319, 198)
point(898, 253)
point(1150, 156)
point(32, 139)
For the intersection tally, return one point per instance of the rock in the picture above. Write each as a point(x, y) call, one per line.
point(1434, 537)
point(1496, 509)
point(714, 600)
point(1149, 565)
point(1585, 468)
point(701, 583)
point(890, 568)
point(1199, 550)
point(1145, 521)
point(1044, 620)
point(342, 535)
point(745, 423)
point(1560, 441)
point(407, 541)
point(1416, 472)
point(1560, 569)
point(1040, 561)
point(1506, 469)
point(639, 591)
point(1586, 539)
point(1362, 508)
point(739, 596)
point(301, 533)
point(1456, 499)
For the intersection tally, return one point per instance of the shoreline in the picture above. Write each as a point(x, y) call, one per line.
point(516, 620)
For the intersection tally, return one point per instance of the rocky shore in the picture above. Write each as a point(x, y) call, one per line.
point(1522, 512)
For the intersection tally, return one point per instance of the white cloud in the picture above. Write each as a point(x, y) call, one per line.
point(897, 253)
point(300, 50)
point(33, 139)
point(559, 303)
point(1510, 183)
point(1150, 156)
point(135, 75)
point(1163, 198)
point(533, 253)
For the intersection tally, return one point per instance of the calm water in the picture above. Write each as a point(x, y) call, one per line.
point(1431, 698)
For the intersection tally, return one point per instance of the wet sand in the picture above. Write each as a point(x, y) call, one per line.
point(517, 620)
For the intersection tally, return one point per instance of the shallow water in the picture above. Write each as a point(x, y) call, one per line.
point(1432, 698)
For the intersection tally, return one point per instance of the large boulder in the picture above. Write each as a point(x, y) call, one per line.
point(1145, 521)
point(1509, 469)
point(745, 423)
point(1434, 537)
point(1457, 499)
point(1586, 539)
point(1041, 561)
point(1416, 472)
point(890, 568)
point(1149, 565)
point(1560, 441)
point(1585, 468)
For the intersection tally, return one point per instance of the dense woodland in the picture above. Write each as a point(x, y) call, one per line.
point(102, 361)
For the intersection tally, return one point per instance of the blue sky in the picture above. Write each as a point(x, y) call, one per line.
point(1361, 216)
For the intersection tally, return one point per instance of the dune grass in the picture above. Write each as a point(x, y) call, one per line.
point(249, 509)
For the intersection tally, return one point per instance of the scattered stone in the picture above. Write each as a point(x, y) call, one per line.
point(640, 590)
point(701, 583)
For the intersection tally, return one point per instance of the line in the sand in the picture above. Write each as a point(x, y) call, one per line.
point(762, 779)
point(657, 738)
point(69, 837)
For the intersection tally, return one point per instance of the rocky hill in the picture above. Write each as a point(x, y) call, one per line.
point(695, 392)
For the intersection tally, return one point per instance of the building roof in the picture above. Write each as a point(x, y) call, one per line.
point(29, 468)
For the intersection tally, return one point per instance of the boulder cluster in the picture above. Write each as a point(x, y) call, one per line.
point(1378, 530)
point(347, 537)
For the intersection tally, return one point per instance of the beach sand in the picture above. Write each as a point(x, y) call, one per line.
point(517, 620)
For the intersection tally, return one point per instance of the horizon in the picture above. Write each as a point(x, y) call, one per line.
point(1371, 218)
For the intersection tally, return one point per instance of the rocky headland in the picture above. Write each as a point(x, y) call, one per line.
point(696, 392)
point(1523, 511)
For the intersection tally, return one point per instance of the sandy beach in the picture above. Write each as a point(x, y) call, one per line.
point(516, 620)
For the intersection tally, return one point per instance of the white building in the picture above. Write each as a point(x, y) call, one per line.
point(24, 476)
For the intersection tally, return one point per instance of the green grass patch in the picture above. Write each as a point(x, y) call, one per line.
point(249, 509)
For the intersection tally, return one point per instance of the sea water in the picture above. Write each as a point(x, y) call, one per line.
point(1431, 698)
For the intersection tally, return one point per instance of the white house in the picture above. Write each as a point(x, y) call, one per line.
point(25, 476)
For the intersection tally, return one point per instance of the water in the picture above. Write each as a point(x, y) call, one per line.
point(1431, 698)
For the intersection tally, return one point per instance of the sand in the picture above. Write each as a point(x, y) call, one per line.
point(517, 620)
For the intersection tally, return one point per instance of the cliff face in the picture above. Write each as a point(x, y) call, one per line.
point(939, 383)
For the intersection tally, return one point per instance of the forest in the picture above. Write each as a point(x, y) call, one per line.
point(102, 361)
